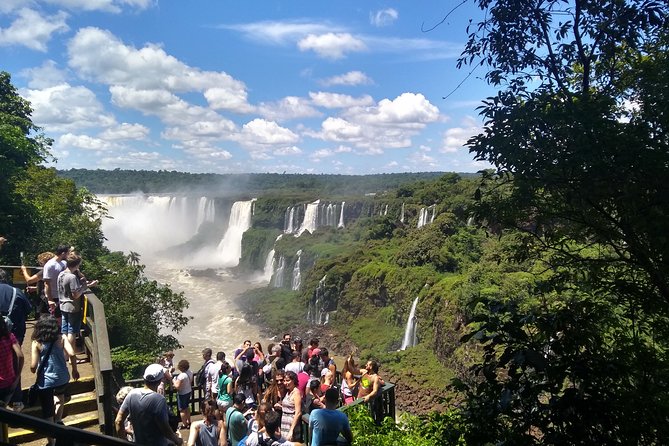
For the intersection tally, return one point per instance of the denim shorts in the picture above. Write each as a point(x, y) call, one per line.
point(71, 323)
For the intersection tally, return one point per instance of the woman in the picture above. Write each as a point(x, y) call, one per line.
point(49, 348)
point(11, 369)
point(276, 390)
point(291, 409)
point(43, 305)
point(224, 399)
point(208, 431)
point(259, 355)
point(247, 384)
point(349, 382)
point(183, 384)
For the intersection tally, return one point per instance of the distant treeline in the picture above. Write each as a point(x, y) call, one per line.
point(119, 181)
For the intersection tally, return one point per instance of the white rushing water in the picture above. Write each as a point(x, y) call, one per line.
point(410, 337)
point(151, 224)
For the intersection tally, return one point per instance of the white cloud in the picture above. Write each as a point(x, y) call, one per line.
point(455, 138)
point(84, 142)
point(383, 17)
point(32, 30)
point(287, 151)
point(114, 6)
point(44, 76)
point(411, 110)
point(139, 160)
point(338, 129)
point(100, 56)
point(63, 108)
point(335, 100)
point(290, 107)
point(350, 78)
point(331, 45)
point(12, 5)
point(262, 132)
point(279, 33)
point(320, 154)
point(125, 131)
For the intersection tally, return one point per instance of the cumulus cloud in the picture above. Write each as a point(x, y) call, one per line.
point(114, 6)
point(350, 78)
point(33, 30)
point(336, 100)
point(99, 56)
point(125, 131)
point(290, 107)
point(383, 17)
point(85, 142)
point(64, 108)
point(262, 132)
point(44, 76)
point(455, 138)
point(139, 160)
point(388, 124)
point(331, 45)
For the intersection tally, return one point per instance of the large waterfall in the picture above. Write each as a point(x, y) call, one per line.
point(310, 222)
point(230, 247)
point(410, 338)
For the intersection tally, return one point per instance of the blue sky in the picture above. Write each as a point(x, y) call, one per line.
point(300, 86)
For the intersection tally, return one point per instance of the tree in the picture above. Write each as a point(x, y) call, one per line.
point(578, 137)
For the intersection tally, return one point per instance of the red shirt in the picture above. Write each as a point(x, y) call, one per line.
point(7, 372)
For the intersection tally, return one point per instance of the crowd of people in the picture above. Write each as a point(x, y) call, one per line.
point(251, 397)
point(254, 398)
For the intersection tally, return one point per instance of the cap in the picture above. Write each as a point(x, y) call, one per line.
point(316, 352)
point(153, 373)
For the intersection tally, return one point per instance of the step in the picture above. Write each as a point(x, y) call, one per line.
point(81, 402)
point(82, 420)
point(83, 385)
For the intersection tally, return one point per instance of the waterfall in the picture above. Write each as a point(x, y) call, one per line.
point(434, 212)
point(297, 277)
point(341, 216)
point(310, 222)
point(288, 226)
point(268, 271)
point(278, 274)
point(410, 338)
point(402, 214)
point(385, 211)
point(316, 313)
point(422, 217)
point(230, 247)
point(471, 221)
point(206, 211)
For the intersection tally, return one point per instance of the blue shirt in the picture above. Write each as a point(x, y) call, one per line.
point(21, 309)
point(326, 424)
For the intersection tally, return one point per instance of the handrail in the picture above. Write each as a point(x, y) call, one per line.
point(65, 435)
point(98, 346)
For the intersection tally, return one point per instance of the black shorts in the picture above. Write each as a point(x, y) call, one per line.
point(46, 400)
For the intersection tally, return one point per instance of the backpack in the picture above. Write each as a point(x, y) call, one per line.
point(8, 320)
point(201, 375)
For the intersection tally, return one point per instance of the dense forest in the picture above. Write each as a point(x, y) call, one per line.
point(542, 286)
point(130, 181)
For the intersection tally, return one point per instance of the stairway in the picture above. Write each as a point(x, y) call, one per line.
point(80, 411)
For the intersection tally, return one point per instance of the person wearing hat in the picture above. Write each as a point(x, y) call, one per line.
point(148, 412)
point(325, 425)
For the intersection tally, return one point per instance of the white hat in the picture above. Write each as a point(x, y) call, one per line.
point(154, 373)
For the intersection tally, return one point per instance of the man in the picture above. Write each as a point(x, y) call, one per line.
point(296, 365)
point(148, 412)
point(201, 375)
point(234, 423)
point(70, 290)
point(212, 376)
point(270, 368)
point(286, 350)
point(328, 363)
point(19, 311)
point(306, 354)
point(325, 425)
point(370, 382)
point(50, 275)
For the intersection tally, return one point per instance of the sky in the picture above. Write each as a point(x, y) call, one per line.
point(296, 86)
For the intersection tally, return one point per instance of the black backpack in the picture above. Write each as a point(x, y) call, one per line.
point(201, 375)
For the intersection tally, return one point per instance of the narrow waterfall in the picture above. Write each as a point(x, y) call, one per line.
point(288, 226)
point(434, 212)
point(341, 216)
point(402, 214)
point(297, 276)
point(310, 222)
point(385, 211)
point(278, 274)
point(471, 220)
point(410, 338)
point(268, 271)
point(230, 247)
point(316, 313)
point(422, 217)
